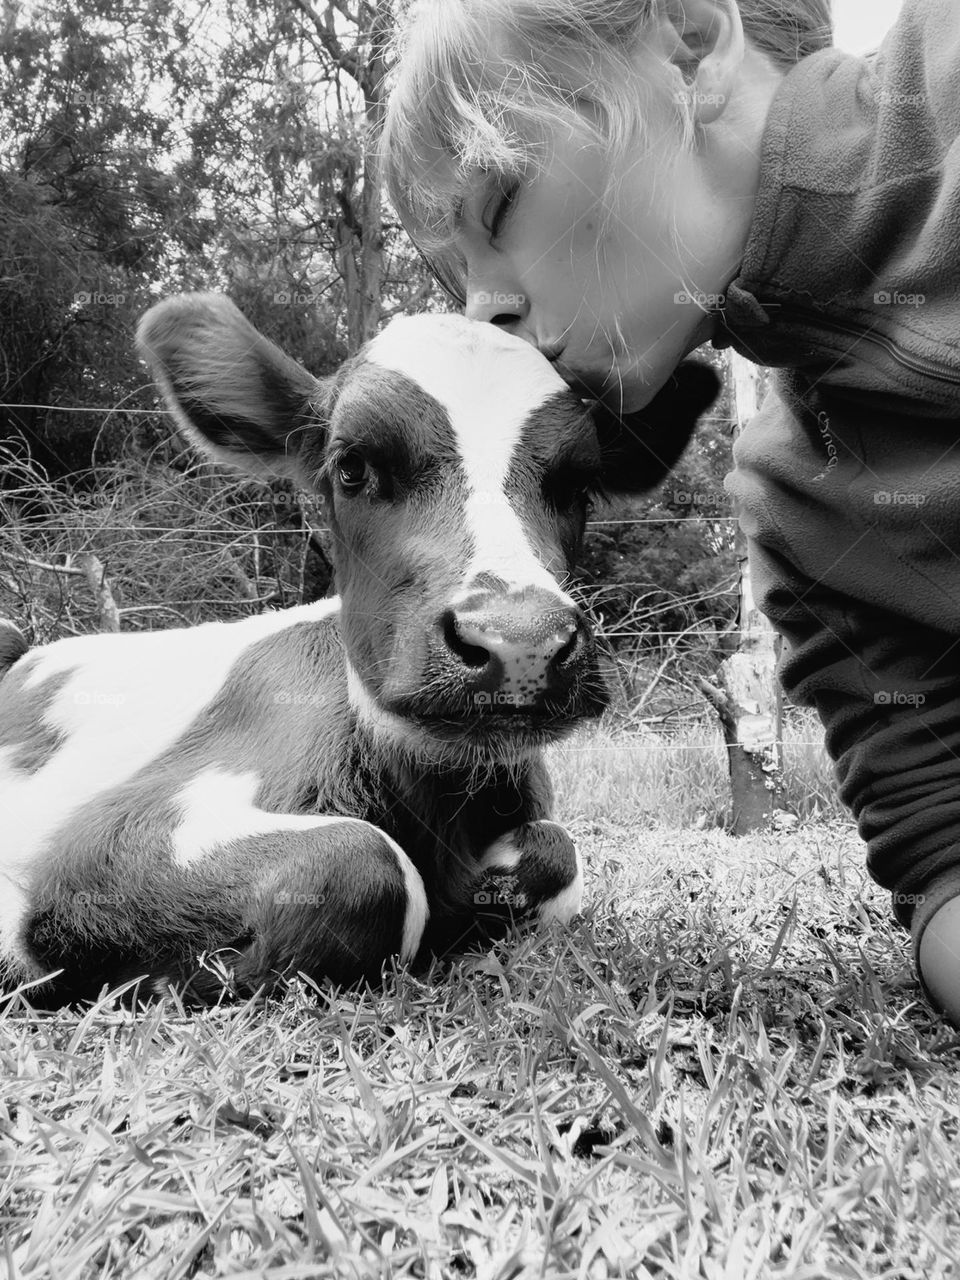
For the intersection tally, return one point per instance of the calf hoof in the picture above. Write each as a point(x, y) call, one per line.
point(335, 910)
point(535, 869)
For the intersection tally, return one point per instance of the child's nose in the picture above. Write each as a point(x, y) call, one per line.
point(498, 303)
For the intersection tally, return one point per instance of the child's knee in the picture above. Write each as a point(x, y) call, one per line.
point(936, 933)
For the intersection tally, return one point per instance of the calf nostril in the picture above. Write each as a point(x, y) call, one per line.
point(471, 655)
point(568, 649)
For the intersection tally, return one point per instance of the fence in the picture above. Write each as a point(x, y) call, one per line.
point(174, 567)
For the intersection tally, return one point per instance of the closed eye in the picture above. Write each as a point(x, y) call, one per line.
point(499, 206)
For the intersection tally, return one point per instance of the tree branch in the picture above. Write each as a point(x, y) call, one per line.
point(716, 697)
point(346, 59)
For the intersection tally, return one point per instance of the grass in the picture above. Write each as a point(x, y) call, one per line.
point(180, 543)
point(683, 781)
point(723, 1070)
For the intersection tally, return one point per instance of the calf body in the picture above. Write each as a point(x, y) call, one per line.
point(324, 787)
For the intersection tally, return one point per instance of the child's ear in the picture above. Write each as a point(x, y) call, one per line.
point(704, 40)
point(639, 449)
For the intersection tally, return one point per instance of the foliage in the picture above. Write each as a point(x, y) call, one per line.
point(152, 149)
point(661, 570)
point(147, 150)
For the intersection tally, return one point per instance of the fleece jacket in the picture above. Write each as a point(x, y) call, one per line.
point(847, 483)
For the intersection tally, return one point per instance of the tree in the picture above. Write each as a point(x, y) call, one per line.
point(747, 695)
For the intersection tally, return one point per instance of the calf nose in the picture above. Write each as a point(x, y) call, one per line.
point(518, 645)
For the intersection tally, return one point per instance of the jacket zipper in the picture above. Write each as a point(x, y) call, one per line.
point(916, 364)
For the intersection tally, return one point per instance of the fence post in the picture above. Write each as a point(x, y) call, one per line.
point(108, 615)
point(748, 699)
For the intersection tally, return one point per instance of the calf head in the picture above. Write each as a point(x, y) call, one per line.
point(456, 468)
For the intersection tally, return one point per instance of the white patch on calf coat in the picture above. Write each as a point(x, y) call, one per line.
point(567, 903)
point(489, 382)
point(125, 700)
point(383, 724)
point(14, 903)
point(218, 807)
point(502, 855)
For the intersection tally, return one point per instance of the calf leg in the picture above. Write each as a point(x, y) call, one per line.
point(333, 897)
point(337, 912)
point(533, 870)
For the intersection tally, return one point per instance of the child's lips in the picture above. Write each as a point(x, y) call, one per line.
point(620, 394)
point(578, 380)
point(595, 384)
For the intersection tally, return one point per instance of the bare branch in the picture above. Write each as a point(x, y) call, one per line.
point(346, 59)
point(46, 568)
point(716, 697)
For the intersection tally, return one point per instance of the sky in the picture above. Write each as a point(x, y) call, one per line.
point(860, 25)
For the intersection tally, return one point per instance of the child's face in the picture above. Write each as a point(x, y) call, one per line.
point(608, 290)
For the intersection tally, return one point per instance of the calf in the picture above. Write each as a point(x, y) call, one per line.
point(327, 786)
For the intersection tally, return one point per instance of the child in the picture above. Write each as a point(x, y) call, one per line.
point(619, 181)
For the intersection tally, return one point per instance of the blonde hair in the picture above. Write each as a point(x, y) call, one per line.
point(483, 85)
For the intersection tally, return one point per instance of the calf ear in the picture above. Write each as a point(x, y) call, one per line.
point(640, 448)
point(233, 393)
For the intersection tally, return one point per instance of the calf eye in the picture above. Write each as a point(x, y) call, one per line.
point(565, 492)
point(352, 471)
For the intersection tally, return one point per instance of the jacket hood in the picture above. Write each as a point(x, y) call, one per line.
point(857, 219)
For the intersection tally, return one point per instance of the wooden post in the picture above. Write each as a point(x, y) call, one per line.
point(96, 575)
point(748, 699)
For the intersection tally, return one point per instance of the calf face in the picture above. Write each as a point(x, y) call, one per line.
point(456, 468)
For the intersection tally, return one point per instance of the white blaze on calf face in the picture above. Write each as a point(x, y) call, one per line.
point(489, 383)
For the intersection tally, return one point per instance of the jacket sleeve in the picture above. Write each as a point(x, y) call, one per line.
point(852, 513)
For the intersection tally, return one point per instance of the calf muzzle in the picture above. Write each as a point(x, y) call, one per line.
point(518, 648)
